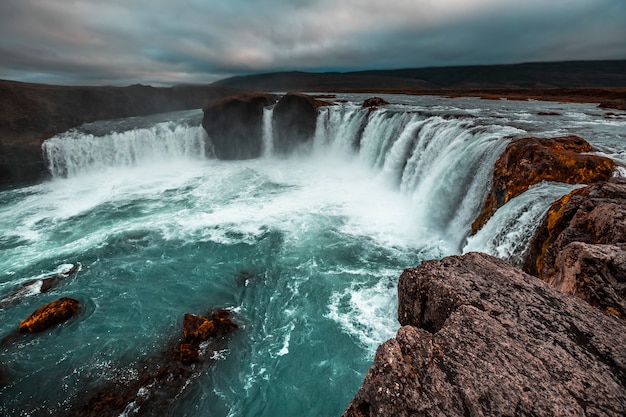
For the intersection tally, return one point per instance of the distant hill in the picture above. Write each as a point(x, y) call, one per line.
point(569, 74)
point(327, 81)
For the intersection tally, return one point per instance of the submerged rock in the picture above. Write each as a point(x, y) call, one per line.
point(479, 337)
point(50, 315)
point(580, 247)
point(164, 377)
point(197, 329)
point(44, 318)
point(294, 121)
point(4, 375)
point(37, 286)
point(235, 125)
point(528, 161)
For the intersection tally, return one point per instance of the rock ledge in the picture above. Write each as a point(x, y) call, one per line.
point(481, 338)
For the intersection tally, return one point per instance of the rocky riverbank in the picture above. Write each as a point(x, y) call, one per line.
point(480, 337)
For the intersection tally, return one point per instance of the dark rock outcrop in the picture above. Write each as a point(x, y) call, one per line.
point(164, 377)
point(619, 104)
point(373, 102)
point(37, 286)
point(235, 125)
point(50, 315)
point(481, 338)
point(294, 121)
point(580, 248)
point(528, 161)
point(32, 113)
point(4, 376)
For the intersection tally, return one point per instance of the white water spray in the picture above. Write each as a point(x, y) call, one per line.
point(74, 152)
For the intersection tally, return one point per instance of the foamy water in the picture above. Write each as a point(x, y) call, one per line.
point(305, 250)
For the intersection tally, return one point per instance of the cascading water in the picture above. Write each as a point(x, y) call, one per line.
point(75, 152)
point(443, 164)
point(305, 250)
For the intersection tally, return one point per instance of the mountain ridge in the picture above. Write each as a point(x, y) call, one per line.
point(564, 74)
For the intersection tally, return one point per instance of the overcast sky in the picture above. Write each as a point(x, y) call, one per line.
point(161, 42)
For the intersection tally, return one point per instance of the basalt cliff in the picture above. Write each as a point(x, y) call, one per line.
point(32, 113)
point(480, 338)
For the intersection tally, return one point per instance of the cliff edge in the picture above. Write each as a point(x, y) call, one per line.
point(481, 338)
point(32, 113)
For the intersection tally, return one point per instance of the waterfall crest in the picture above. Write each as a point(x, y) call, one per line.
point(443, 164)
point(75, 152)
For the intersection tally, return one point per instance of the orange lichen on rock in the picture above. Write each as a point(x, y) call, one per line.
point(50, 315)
point(197, 329)
point(580, 247)
point(528, 161)
point(555, 222)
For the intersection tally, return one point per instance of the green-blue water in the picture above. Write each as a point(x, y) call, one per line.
point(306, 251)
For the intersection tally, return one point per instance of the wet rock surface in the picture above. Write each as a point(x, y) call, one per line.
point(479, 337)
point(163, 378)
point(374, 102)
point(4, 375)
point(528, 161)
point(37, 286)
point(235, 125)
point(50, 315)
point(580, 247)
point(294, 120)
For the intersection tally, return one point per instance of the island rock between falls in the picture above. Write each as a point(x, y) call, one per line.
point(294, 119)
point(235, 125)
point(480, 337)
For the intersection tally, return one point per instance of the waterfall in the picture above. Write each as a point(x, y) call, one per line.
point(306, 249)
point(508, 233)
point(443, 164)
point(75, 152)
point(268, 131)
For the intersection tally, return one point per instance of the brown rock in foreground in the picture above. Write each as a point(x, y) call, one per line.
point(50, 315)
point(528, 161)
point(580, 248)
point(235, 125)
point(481, 338)
point(163, 378)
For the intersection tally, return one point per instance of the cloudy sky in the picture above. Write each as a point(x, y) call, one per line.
point(161, 42)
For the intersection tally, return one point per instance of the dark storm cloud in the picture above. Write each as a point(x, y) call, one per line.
point(159, 41)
